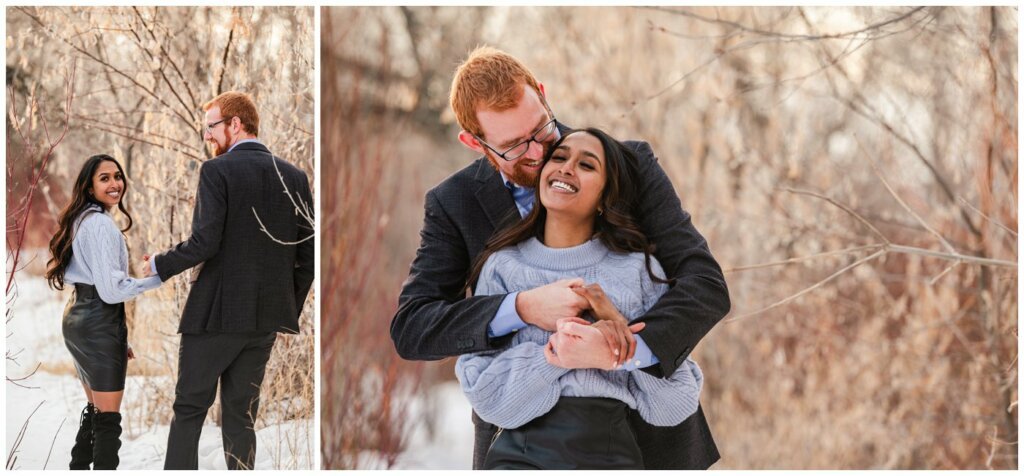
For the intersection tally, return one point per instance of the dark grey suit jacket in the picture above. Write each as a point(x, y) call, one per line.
point(248, 282)
point(435, 320)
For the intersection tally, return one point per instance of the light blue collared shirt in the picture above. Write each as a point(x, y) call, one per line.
point(507, 320)
point(152, 261)
point(242, 142)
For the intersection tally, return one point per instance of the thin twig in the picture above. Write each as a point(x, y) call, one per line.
point(300, 207)
point(803, 258)
point(874, 168)
point(983, 215)
point(891, 247)
point(769, 33)
point(263, 228)
point(810, 288)
point(952, 256)
point(48, 453)
point(843, 208)
point(21, 437)
point(227, 49)
point(949, 268)
point(17, 380)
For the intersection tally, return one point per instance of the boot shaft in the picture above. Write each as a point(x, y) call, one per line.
point(107, 428)
point(81, 453)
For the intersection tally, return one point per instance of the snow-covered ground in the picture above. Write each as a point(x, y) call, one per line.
point(451, 446)
point(33, 337)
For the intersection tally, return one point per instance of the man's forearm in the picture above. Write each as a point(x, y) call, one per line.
point(432, 329)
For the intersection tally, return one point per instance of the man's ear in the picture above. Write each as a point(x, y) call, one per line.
point(540, 87)
point(470, 142)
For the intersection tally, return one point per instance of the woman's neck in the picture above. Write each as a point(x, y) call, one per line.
point(562, 232)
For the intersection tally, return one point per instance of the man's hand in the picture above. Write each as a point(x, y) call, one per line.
point(544, 306)
point(145, 269)
point(578, 345)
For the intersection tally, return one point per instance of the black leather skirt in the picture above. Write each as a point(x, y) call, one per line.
point(97, 337)
point(578, 433)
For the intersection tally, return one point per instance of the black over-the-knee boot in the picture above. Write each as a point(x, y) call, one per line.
point(81, 453)
point(108, 440)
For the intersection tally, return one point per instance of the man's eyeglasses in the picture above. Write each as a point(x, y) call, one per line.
point(209, 127)
point(542, 134)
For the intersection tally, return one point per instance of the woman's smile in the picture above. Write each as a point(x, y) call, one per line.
point(573, 179)
point(108, 184)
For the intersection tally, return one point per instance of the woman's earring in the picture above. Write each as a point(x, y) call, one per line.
point(600, 212)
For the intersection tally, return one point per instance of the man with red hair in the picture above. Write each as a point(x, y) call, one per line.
point(255, 254)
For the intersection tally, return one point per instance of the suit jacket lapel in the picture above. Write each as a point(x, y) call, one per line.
point(494, 198)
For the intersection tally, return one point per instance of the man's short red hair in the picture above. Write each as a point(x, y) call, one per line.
point(240, 105)
point(488, 79)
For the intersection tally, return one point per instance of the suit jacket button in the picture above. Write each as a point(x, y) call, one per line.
point(682, 357)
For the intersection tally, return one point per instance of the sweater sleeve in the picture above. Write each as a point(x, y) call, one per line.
point(100, 244)
point(667, 402)
point(512, 387)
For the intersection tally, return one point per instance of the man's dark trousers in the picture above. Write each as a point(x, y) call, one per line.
point(238, 361)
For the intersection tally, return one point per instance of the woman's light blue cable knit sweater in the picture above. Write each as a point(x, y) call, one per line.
point(99, 256)
point(511, 387)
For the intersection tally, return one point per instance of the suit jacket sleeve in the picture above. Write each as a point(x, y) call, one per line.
point(699, 298)
point(434, 319)
point(305, 250)
point(207, 226)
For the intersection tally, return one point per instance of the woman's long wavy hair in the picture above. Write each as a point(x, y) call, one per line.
point(81, 198)
point(615, 226)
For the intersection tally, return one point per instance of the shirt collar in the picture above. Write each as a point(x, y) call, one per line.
point(509, 184)
point(242, 142)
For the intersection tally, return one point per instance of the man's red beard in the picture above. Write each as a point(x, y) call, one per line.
point(520, 176)
point(218, 148)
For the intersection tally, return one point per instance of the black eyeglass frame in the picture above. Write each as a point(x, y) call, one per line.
point(209, 127)
point(533, 137)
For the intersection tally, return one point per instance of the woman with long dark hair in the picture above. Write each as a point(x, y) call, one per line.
point(89, 252)
point(582, 226)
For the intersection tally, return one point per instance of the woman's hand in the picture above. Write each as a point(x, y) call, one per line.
point(131, 353)
point(611, 323)
point(620, 338)
point(600, 306)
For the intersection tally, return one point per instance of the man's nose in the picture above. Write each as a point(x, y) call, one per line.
point(535, 150)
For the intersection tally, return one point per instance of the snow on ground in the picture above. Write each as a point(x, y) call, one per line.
point(33, 336)
point(449, 446)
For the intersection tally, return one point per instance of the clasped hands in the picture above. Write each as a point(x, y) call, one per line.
point(145, 269)
point(576, 343)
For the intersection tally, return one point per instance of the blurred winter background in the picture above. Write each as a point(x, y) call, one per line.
point(129, 82)
point(853, 169)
